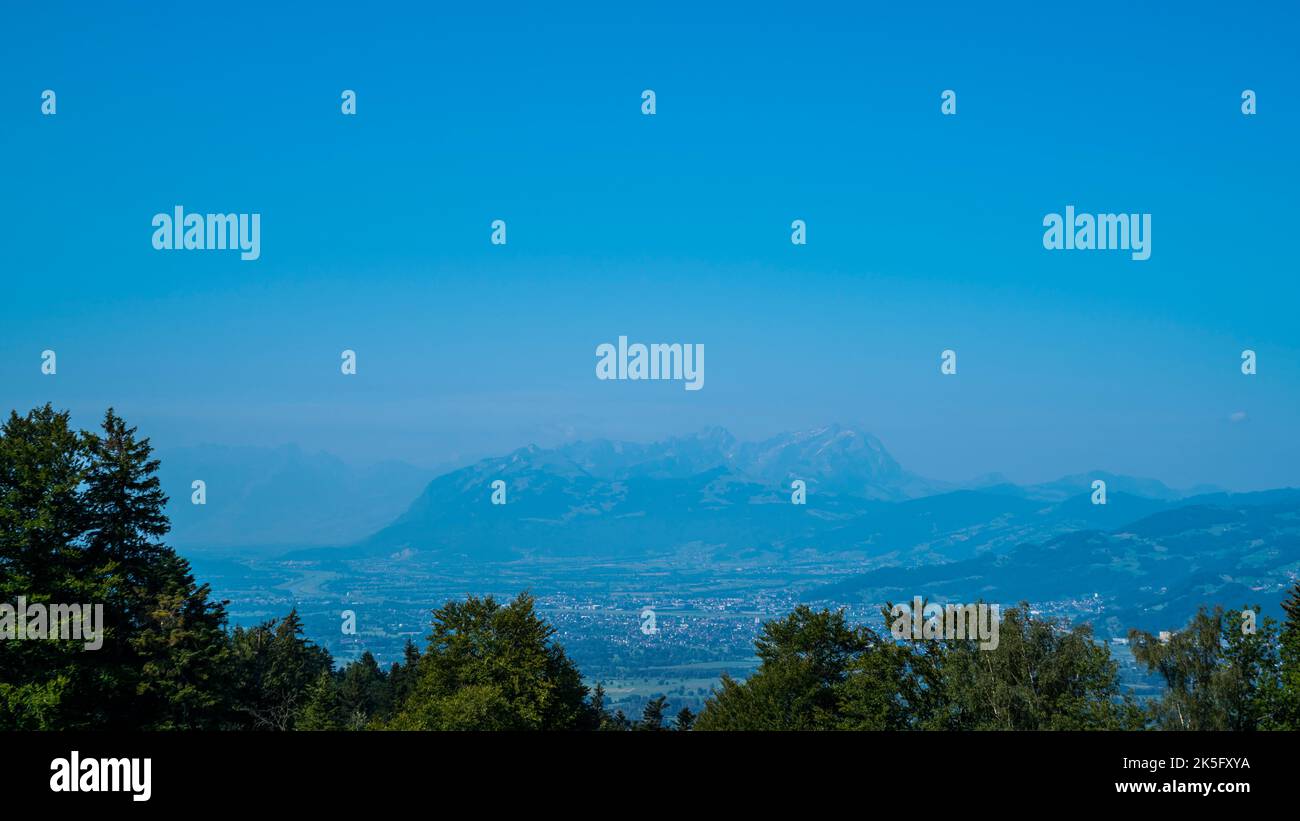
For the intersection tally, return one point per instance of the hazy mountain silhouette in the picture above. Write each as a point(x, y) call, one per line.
point(1151, 553)
point(709, 491)
point(280, 497)
point(1244, 549)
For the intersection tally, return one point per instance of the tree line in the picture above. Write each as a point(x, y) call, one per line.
point(82, 520)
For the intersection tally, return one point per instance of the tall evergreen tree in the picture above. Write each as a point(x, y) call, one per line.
point(276, 667)
point(323, 707)
point(363, 692)
point(42, 518)
point(403, 674)
point(652, 716)
point(685, 720)
point(1285, 712)
point(81, 521)
point(168, 651)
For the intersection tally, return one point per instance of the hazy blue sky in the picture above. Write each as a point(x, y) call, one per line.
point(924, 231)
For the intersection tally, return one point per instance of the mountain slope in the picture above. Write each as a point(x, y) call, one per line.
point(696, 503)
point(280, 497)
point(708, 491)
point(1149, 573)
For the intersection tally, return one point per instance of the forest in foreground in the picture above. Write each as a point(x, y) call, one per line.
point(82, 521)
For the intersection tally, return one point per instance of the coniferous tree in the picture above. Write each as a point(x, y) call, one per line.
point(169, 637)
point(1285, 698)
point(323, 708)
point(601, 714)
point(184, 656)
point(652, 716)
point(402, 675)
point(42, 518)
point(685, 720)
point(276, 667)
point(363, 692)
point(81, 522)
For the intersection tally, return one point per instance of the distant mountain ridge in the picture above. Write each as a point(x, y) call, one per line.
point(870, 530)
point(1237, 550)
point(845, 460)
point(286, 497)
point(621, 498)
point(604, 497)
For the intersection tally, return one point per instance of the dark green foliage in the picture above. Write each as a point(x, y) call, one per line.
point(618, 721)
point(402, 675)
point(1284, 695)
point(652, 717)
point(364, 692)
point(276, 667)
point(81, 519)
point(685, 720)
point(605, 720)
point(490, 666)
point(817, 673)
point(1218, 676)
point(1044, 674)
point(323, 708)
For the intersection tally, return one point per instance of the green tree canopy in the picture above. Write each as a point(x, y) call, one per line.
point(494, 666)
point(1217, 675)
point(81, 522)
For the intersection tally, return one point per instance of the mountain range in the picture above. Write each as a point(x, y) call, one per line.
point(1151, 551)
point(626, 500)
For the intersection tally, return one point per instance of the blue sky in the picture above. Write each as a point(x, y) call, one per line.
point(924, 231)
